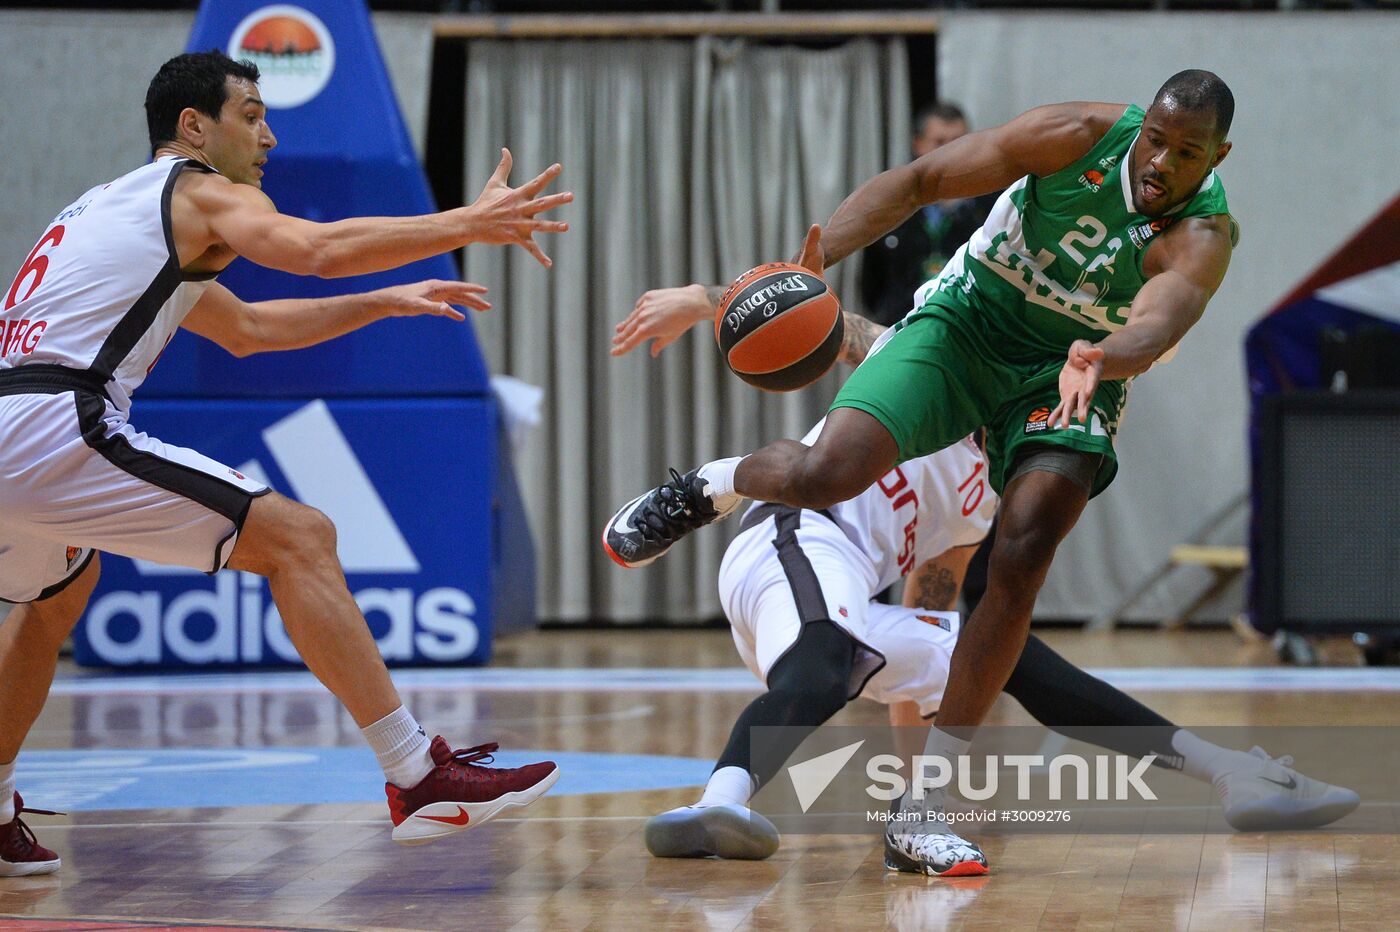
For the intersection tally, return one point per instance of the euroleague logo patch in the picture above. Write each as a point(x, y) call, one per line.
point(292, 49)
point(1038, 420)
point(937, 622)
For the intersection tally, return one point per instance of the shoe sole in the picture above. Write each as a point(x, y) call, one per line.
point(897, 861)
point(1293, 815)
point(621, 562)
point(713, 832)
point(29, 868)
point(417, 829)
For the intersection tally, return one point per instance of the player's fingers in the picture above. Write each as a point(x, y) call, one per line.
point(810, 256)
point(502, 171)
point(1093, 353)
point(537, 184)
point(533, 248)
point(1055, 415)
point(541, 204)
point(549, 226)
point(450, 311)
point(659, 344)
point(455, 291)
point(628, 344)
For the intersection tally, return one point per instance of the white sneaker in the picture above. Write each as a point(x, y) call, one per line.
point(724, 831)
point(937, 854)
point(1270, 796)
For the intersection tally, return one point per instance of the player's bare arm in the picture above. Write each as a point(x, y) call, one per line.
point(245, 328)
point(1038, 142)
point(662, 315)
point(1184, 268)
point(215, 219)
point(935, 584)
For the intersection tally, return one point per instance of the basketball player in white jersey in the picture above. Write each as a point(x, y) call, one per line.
point(799, 587)
point(85, 320)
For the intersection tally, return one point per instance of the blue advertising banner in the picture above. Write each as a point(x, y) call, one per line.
point(342, 151)
point(411, 487)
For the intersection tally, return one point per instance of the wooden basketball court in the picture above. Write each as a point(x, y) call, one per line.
point(619, 710)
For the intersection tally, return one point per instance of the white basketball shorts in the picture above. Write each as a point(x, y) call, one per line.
point(76, 477)
point(794, 567)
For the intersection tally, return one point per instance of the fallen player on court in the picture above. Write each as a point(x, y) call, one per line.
point(90, 311)
point(1111, 234)
point(798, 587)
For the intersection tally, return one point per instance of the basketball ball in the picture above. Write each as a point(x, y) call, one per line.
point(779, 327)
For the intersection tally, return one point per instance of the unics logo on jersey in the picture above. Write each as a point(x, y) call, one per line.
point(1092, 179)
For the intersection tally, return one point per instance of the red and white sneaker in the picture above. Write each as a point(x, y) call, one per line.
point(460, 793)
point(21, 855)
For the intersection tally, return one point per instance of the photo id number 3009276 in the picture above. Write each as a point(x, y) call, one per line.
point(1034, 815)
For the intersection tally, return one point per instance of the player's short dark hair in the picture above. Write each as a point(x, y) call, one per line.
point(195, 79)
point(1197, 90)
point(942, 110)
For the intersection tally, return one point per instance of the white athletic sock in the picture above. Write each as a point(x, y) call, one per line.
point(731, 785)
point(401, 745)
point(939, 744)
point(720, 476)
point(7, 793)
point(1205, 761)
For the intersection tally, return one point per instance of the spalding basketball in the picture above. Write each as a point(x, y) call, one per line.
point(779, 327)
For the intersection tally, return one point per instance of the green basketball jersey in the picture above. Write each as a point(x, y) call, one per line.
point(1060, 257)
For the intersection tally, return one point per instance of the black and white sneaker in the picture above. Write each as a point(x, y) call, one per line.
point(646, 527)
point(933, 853)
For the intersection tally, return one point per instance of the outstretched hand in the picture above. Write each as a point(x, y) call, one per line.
point(1078, 380)
point(812, 256)
point(507, 216)
point(433, 297)
point(662, 315)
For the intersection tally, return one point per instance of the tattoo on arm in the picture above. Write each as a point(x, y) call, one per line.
point(936, 589)
point(713, 293)
point(860, 334)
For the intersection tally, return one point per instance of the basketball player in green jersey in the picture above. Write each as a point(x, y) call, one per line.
point(1110, 237)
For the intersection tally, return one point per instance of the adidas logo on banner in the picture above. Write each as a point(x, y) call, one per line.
point(321, 470)
point(324, 472)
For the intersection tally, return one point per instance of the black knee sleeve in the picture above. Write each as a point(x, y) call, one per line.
point(807, 686)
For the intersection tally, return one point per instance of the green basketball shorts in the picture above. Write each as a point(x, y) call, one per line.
point(944, 373)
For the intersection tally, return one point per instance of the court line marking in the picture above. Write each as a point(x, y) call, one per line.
point(320, 823)
point(728, 679)
point(385, 823)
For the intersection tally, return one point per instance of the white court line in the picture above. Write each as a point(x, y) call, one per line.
point(318, 823)
point(385, 823)
point(735, 680)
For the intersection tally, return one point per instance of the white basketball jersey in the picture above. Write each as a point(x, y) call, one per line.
point(102, 291)
point(918, 510)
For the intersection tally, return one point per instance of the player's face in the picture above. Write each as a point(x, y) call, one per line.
point(1172, 156)
point(237, 145)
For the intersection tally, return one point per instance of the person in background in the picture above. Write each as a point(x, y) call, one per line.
point(894, 266)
